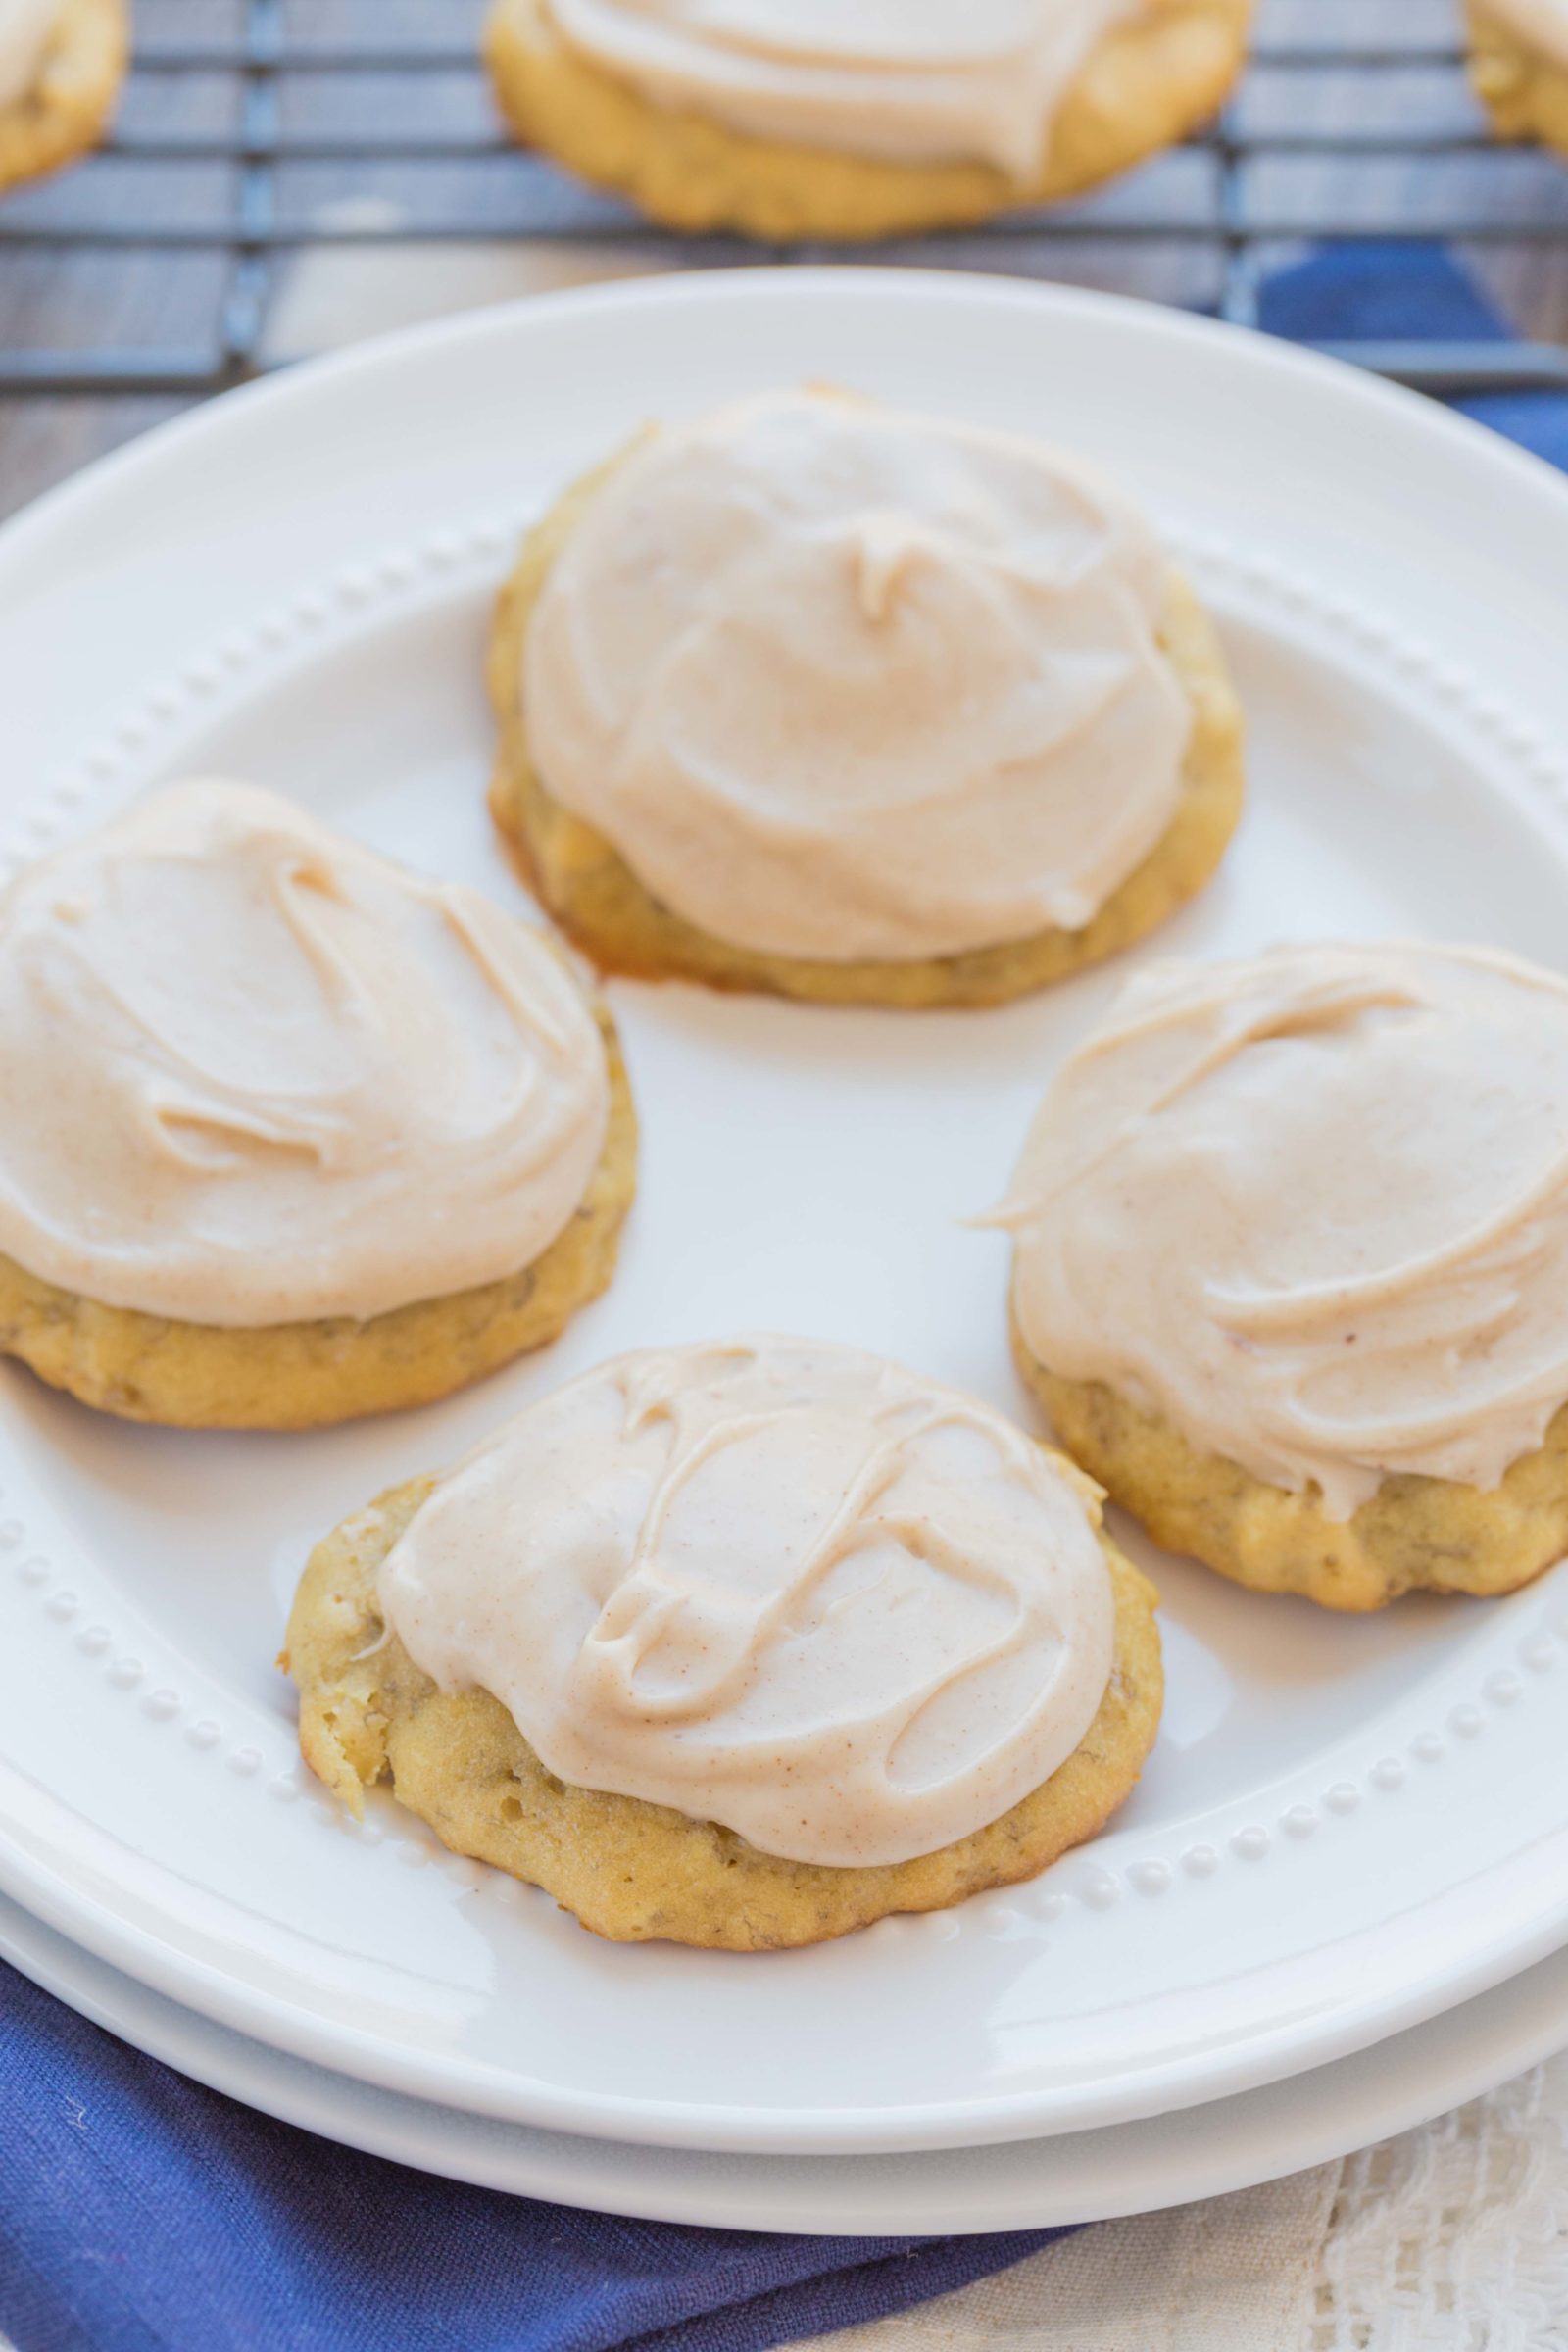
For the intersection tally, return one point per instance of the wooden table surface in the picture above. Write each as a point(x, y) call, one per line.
point(82, 300)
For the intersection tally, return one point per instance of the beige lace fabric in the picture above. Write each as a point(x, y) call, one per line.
point(1454, 2238)
point(1451, 2239)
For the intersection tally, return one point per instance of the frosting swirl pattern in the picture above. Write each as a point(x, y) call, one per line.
point(843, 683)
point(24, 29)
point(251, 1073)
point(778, 1585)
point(1313, 1209)
point(911, 81)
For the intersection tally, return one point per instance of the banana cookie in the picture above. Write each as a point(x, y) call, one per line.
point(1292, 1240)
point(856, 119)
point(741, 1645)
point(1519, 67)
point(838, 702)
point(62, 64)
point(287, 1133)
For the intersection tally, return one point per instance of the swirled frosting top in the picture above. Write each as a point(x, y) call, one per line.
point(774, 1583)
point(840, 682)
point(908, 81)
point(252, 1073)
point(1313, 1209)
point(1541, 25)
point(24, 29)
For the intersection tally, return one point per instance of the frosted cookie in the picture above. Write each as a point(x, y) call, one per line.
point(743, 1645)
point(62, 64)
point(286, 1132)
point(856, 119)
point(827, 700)
point(1519, 67)
point(1290, 1260)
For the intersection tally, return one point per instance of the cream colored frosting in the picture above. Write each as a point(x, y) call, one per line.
point(1313, 1209)
point(840, 682)
point(910, 82)
point(1541, 25)
point(251, 1073)
point(775, 1584)
point(24, 29)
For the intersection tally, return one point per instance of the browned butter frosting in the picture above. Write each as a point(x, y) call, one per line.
point(24, 29)
point(779, 1584)
point(253, 1073)
point(1541, 25)
point(1313, 1209)
point(840, 682)
point(913, 81)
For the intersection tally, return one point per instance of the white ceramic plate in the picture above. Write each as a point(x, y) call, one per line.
point(1021, 2184)
point(1347, 1826)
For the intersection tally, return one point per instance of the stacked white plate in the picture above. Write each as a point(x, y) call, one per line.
point(1349, 1828)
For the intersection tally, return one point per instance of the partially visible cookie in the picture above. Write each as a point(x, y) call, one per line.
point(1292, 1239)
point(1519, 68)
point(650, 111)
point(289, 1134)
point(820, 699)
point(73, 54)
point(1416, 1535)
point(753, 1578)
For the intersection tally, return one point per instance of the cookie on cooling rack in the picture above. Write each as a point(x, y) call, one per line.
point(838, 703)
point(741, 1645)
point(289, 1134)
point(1519, 67)
point(847, 118)
point(62, 64)
point(1292, 1239)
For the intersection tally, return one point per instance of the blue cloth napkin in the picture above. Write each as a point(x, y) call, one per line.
point(139, 2213)
point(1415, 293)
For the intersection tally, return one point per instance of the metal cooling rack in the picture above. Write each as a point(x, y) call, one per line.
point(269, 139)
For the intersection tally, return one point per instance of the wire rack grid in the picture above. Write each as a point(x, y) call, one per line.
point(258, 134)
